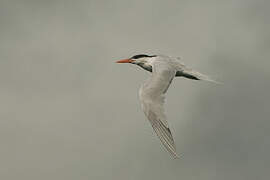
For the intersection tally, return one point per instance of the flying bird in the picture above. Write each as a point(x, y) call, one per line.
point(152, 92)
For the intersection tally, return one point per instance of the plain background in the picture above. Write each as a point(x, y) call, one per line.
point(69, 112)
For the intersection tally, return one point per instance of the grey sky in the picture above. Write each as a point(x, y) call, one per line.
point(69, 112)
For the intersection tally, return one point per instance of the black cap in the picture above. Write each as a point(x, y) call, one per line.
point(141, 56)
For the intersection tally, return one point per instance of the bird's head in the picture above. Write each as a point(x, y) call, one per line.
point(142, 60)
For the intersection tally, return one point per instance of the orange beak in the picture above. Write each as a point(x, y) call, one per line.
point(125, 61)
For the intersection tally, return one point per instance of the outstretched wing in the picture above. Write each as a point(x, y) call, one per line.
point(152, 96)
point(184, 71)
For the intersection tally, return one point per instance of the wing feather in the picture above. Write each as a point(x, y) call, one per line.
point(152, 96)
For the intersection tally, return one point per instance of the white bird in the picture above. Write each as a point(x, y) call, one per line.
point(152, 92)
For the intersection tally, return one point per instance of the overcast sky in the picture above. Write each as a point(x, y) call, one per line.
point(69, 112)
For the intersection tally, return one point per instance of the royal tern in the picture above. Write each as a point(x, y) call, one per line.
point(152, 92)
